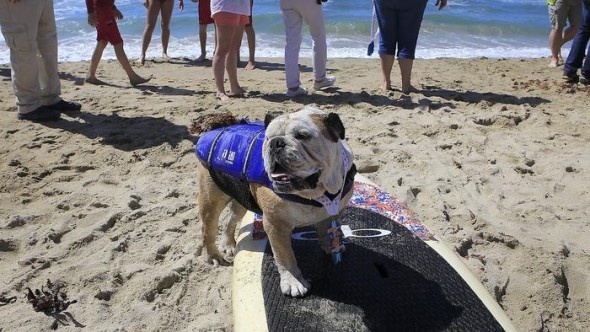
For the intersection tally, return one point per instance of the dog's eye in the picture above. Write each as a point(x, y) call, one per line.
point(302, 136)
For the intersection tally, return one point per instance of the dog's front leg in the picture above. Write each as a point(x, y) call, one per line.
point(292, 282)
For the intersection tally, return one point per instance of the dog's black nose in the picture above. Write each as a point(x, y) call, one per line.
point(278, 143)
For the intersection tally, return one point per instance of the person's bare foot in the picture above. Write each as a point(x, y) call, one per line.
point(166, 57)
point(386, 87)
point(200, 58)
point(553, 63)
point(409, 89)
point(222, 96)
point(139, 80)
point(94, 80)
point(140, 61)
point(238, 95)
point(251, 65)
point(239, 92)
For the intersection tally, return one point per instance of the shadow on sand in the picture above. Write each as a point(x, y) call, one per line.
point(126, 134)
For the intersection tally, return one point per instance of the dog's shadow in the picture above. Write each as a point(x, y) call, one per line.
point(125, 133)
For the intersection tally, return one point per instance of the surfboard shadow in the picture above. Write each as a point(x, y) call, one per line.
point(388, 283)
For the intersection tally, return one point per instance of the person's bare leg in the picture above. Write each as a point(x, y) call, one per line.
point(568, 34)
point(386, 65)
point(251, 36)
point(166, 15)
point(96, 56)
point(203, 42)
point(150, 24)
point(555, 42)
point(134, 79)
point(231, 61)
point(223, 44)
point(405, 67)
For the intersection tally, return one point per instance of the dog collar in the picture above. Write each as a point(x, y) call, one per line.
point(335, 236)
point(327, 196)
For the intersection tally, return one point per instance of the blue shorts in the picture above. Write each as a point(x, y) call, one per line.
point(399, 24)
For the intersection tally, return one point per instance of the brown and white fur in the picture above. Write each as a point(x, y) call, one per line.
point(299, 148)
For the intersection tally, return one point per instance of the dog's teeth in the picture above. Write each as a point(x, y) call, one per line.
point(281, 177)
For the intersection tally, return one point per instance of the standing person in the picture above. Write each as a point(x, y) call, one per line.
point(294, 13)
point(30, 33)
point(103, 15)
point(576, 55)
point(230, 17)
point(204, 20)
point(251, 36)
point(561, 11)
point(155, 8)
point(399, 26)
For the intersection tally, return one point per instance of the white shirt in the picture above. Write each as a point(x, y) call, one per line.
point(241, 7)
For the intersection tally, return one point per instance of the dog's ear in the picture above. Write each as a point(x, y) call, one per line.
point(334, 125)
point(269, 117)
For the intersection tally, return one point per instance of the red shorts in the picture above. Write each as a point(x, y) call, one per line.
point(205, 12)
point(109, 32)
point(249, 24)
point(230, 19)
point(106, 28)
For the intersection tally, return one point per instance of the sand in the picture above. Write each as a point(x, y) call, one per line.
point(493, 155)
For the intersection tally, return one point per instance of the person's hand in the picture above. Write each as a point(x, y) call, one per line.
point(118, 14)
point(146, 3)
point(181, 5)
point(92, 20)
point(441, 4)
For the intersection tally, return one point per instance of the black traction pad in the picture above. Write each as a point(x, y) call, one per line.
point(388, 283)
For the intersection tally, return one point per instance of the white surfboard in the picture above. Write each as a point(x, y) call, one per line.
point(395, 275)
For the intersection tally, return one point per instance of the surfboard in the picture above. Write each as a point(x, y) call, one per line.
point(395, 275)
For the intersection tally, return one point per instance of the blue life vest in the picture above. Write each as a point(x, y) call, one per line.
point(233, 156)
point(236, 151)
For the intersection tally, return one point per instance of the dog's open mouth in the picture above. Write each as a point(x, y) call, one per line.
point(280, 174)
point(282, 179)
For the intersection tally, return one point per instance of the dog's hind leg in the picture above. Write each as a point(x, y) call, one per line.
point(237, 212)
point(322, 231)
point(211, 202)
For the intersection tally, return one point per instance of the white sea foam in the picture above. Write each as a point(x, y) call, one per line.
point(81, 48)
point(466, 29)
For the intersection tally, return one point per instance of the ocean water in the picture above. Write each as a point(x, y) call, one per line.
point(464, 29)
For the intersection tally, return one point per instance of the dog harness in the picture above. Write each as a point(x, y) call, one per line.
point(233, 156)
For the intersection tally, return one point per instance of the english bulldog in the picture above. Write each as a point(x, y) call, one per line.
point(307, 173)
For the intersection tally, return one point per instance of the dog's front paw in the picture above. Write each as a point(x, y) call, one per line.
point(229, 249)
point(292, 286)
point(217, 259)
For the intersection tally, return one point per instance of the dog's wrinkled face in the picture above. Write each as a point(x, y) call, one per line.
point(302, 152)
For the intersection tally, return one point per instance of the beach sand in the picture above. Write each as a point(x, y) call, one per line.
point(493, 155)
